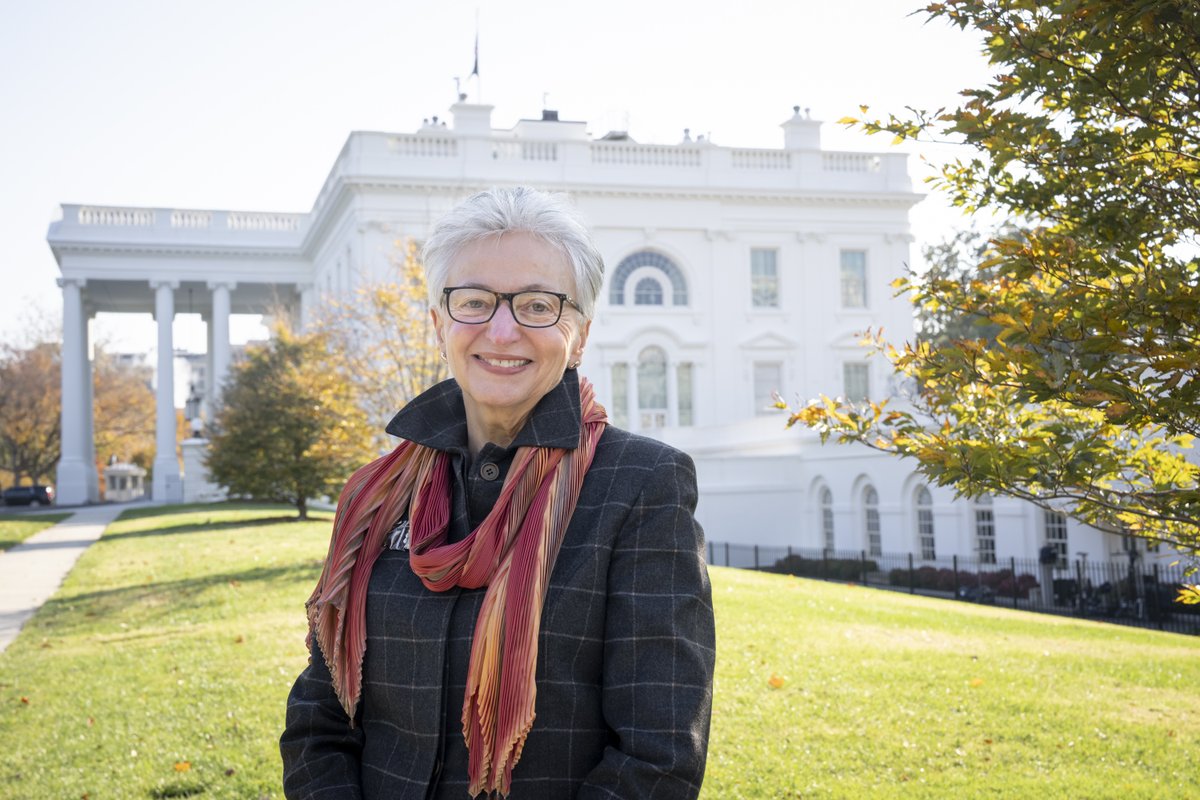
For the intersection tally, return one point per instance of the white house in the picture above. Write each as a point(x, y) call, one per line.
point(732, 273)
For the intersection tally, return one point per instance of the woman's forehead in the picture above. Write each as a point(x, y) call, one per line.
point(516, 259)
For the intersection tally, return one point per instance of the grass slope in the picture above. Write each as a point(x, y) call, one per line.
point(161, 668)
point(16, 528)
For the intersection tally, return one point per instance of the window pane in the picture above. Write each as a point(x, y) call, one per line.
point(764, 279)
point(648, 292)
point(856, 379)
point(925, 525)
point(652, 388)
point(854, 278)
point(683, 376)
point(1056, 534)
point(874, 536)
point(768, 379)
point(827, 517)
point(620, 395)
point(985, 535)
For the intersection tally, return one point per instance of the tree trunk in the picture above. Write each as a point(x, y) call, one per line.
point(302, 507)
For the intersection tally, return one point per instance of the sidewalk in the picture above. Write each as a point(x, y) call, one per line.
point(31, 572)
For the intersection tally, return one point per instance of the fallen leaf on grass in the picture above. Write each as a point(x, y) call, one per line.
point(91, 721)
point(229, 772)
point(775, 681)
point(24, 701)
point(976, 682)
point(239, 640)
point(183, 766)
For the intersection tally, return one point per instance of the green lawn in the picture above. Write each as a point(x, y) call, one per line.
point(16, 528)
point(161, 668)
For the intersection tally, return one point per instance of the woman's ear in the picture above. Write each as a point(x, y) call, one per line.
point(581, 341)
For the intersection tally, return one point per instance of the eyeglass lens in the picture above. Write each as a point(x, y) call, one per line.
point(532, 309)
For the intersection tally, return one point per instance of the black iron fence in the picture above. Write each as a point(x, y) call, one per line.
point(1129, 591)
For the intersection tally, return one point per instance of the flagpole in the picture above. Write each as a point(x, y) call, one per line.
point(478, 78)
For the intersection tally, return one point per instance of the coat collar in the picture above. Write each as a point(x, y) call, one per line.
point(437, 418)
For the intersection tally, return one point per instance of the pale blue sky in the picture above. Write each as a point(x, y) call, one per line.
point(244, 104)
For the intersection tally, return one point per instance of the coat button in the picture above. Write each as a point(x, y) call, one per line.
point(489, 471)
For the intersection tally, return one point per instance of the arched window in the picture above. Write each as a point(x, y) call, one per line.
point(671, 273)
point(985, 530)
point(925, 524)
point(827, 517)
point(648, 292)
point(652, 388)
point(871, 521)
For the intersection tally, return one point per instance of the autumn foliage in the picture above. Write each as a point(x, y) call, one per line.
point(1084, 394)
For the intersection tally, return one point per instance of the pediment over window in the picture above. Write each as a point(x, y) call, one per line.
point(769, 341)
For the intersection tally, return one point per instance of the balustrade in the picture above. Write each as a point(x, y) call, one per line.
point(117, 217)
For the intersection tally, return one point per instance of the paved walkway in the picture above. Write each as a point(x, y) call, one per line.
point(31, 572)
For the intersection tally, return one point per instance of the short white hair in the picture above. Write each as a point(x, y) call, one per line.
point(547, 216)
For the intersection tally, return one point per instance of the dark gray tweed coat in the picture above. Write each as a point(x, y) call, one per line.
point(625, 653)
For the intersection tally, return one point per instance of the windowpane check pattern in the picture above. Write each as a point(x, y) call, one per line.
point(764, 278)
point(854, 278)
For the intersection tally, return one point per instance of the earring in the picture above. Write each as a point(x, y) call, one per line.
point(573, 365)
point(443, 355)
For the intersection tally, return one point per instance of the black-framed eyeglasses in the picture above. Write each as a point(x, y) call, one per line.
point(474, 306)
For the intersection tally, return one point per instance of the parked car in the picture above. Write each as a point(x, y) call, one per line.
point(27, 495)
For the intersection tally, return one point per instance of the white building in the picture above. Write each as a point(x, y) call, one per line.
point(732, 273)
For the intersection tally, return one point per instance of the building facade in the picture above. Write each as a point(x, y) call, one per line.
point(732, 273)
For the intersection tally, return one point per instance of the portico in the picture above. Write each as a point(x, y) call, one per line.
point(158, 261)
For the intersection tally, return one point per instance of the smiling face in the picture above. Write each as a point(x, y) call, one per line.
point(503, 368)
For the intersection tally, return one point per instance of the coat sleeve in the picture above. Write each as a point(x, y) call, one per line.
point(321, 752)
point(659, 649)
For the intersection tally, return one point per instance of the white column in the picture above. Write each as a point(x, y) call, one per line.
point(71, 478)
point(631, 392)
point(672, 393)
point(89, 411)
point(308, 300)
point(166, 485)
point(220, 337)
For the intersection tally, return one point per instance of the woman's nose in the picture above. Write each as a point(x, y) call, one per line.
point(503, 327)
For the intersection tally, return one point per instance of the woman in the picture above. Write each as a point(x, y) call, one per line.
point(515, 599)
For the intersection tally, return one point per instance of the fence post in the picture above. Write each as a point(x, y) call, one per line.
point(756, 558)
point(825, 563)
point(1158, 612)
point(912, 579)
point(956, 574)
point(1012, 560)
point(727, 554)
point(1078, 586)
point(710, 551)
point(863, 569)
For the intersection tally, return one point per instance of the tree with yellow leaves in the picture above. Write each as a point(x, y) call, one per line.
point(1084, 395)
point(383, 340)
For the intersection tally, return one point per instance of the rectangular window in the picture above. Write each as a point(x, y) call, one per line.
point(854, 278)
point(764, 278)
point(768, 379)
point(874, 537)
point(985, 535)
point(683, 376)
point(1056, 534)
point(856, 381)
point(620, 395)
point(925, 532)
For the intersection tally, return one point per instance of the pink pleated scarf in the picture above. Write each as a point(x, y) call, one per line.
point(512, 553)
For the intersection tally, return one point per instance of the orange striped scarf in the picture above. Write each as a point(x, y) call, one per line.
point(512, 552)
